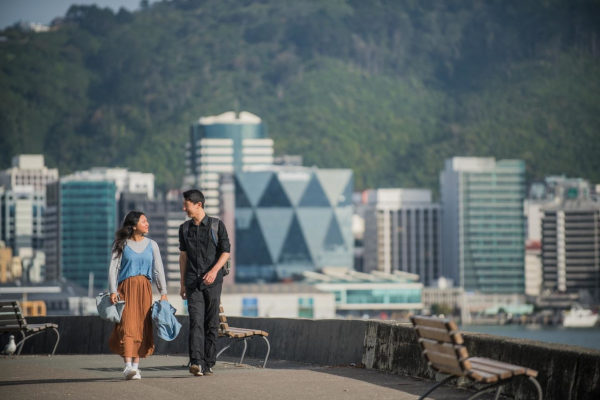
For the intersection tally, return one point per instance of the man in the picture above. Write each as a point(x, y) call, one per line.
point(200, 264)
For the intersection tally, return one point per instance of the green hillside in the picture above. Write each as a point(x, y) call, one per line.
point(389, 88)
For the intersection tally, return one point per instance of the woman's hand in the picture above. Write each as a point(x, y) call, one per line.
point(113, 298)
point(163, 297)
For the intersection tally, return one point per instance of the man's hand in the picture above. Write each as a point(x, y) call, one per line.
point(210, 276)
point(113, 298)
point(182, 292)
point(163, 297)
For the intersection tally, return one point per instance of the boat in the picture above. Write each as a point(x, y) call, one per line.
point(579, 317)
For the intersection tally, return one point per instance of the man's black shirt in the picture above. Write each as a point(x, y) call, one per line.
point(202, 253)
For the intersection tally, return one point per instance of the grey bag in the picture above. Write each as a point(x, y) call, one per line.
point(107, 310)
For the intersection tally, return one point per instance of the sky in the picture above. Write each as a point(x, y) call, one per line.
point(44, 11)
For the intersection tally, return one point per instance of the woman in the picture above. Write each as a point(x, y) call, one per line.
point(135, 261)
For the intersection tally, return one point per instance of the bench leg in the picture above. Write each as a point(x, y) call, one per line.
point(244, 352)
point(437, 385)
point(268, 351)
point(25, 337)
point(57, 340)
point(537, 387)
point(21, 343)
point(221, 351)
point(487, 389)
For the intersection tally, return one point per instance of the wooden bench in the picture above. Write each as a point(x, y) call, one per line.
point(442, 345)
point(240, 334)
point(12, 320)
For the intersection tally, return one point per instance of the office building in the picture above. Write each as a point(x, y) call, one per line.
point(88, 211)
point(292, 219)
point(21, 216)
point(483, 227)
point(402, 233)
point(76, 201)
point(28, 170)
point(570, 248)
point(225, 143)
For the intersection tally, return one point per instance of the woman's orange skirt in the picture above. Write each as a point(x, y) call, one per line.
point(132, 337)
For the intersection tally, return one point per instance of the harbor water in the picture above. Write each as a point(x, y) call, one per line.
point(583, 337)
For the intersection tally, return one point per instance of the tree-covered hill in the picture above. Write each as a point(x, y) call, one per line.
point(389, 88)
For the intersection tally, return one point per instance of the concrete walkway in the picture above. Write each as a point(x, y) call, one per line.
point(92, 377)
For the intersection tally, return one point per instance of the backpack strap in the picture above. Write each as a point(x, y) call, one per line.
point(186, 227)
point(214, 229)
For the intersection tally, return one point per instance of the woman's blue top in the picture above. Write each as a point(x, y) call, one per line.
point(134, 264)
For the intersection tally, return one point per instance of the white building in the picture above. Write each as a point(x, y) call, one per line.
point(225, 143)
point(402, 233)
point(288, 300)
point(28, 170)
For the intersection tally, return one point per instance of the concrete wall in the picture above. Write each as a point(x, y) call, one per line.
point(565, 372)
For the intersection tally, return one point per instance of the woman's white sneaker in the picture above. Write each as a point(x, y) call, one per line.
point(129, 373)
point(137, 375)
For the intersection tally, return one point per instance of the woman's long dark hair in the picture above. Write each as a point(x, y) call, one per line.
point(126, 231)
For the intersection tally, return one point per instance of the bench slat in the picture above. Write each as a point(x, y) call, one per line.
point(9, 316)
point(515, 369)
point(447, 370)
point(438, 323)
point(502, 373)
point(445, 348)
point(482, 376)
point(444, 361)
point(441, 335)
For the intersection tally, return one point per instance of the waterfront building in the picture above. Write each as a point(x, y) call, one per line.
point(483, 227)
point(227, 143)
point(374, 295)
point(28, 170)
point(280, 300)
point(570, 248)
point(291, 219)
point(552, 192)
point(22, 207)
point(81, 218)
point(402, 233)
point(88, 211)
point(21, 216)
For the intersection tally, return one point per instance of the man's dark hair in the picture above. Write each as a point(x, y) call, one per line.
point(194, 195)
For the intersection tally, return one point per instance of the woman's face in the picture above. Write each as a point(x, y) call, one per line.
point(142, 225)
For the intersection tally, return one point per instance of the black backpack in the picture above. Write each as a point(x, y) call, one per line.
point(214, 229)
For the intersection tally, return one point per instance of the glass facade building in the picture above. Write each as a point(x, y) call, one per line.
point(88, 212)
point(292, 219)
point(483, 240)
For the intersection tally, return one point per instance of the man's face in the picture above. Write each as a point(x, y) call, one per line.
point(190, 208)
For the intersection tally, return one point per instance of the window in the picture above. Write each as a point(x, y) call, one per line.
point(306, 307)
point(250, 307)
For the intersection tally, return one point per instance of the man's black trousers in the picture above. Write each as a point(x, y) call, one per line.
point(203, 308)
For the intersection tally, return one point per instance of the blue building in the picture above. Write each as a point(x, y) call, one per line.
point(292, 219)
point(483, 224)
point(88, 211)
